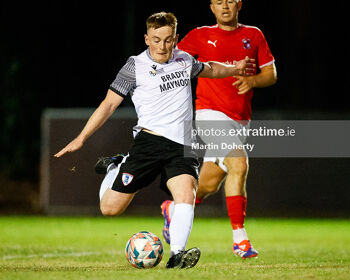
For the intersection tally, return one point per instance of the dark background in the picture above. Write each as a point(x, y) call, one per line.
point(61, 54)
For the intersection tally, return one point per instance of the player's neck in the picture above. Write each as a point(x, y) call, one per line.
point(230, 26)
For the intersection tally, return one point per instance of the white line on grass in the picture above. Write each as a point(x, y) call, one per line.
point(73, 254)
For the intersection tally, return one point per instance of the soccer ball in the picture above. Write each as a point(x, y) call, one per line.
point(144, 250)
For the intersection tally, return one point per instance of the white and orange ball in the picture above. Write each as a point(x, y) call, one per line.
point(144, 250)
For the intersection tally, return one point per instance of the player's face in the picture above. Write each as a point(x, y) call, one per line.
point(161, 42)
point(226, 11)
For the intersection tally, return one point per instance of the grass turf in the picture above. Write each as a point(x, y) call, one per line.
point(93, 248)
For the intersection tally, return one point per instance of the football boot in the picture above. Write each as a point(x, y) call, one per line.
point(244, 250)
point(184, 259)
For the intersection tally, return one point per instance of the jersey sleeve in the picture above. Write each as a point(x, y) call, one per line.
point(197, 67)
point(189, 43)
point(265, 56)
point(125, 81)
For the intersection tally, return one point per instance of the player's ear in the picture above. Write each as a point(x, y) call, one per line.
point(239, 5)
point(212, 8)
point(146, 40)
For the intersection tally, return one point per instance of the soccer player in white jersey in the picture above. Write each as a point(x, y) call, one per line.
point(158, 81)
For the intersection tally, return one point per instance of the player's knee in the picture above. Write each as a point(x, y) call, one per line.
point(109, 210)
point(238, 166)
point(183, 188)
point(209, 185)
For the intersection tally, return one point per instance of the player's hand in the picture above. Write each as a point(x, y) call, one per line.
point(250, 66)
point(246, 67)
point(243, 84)
point(73, 146)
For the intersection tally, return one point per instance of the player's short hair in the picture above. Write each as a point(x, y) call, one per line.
point(161, 19)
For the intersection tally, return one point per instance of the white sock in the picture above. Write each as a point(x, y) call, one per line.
point(112, 173)
point(180, 227)
point(171, 209)
point(109, 179)
point(239, 235)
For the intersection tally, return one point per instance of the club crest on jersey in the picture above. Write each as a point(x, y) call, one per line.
point(153, 72)
point(181, 61)
point(246, 44)
point(127, 178)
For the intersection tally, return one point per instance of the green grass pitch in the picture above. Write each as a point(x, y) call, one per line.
point(93, 248)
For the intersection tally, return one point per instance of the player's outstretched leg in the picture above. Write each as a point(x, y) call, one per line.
point(167, 219)
point(184, 259)
point(102, 164)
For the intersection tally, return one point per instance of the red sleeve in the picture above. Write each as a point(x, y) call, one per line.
point(265, 56)
point(189, 43)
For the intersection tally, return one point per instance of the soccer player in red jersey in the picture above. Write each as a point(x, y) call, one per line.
point(227, 99)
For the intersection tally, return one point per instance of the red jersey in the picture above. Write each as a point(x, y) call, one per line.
point(210, 43)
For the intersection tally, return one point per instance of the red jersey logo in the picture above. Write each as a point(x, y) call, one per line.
point(246, 44)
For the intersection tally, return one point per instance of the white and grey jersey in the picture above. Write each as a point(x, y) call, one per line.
point(161, 93)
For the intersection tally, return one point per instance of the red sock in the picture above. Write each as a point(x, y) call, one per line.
point(198, 201)
point(236, 208)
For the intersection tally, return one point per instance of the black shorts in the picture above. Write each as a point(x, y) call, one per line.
point(150, 156)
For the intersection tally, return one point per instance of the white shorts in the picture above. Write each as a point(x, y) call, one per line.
point(213, 115)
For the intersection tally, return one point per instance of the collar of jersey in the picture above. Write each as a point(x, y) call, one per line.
point(239, 26)
point(150, 57)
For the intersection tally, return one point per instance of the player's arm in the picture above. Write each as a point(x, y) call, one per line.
point(217, 70)
point(96, 120)
point(121, 86)
point(267, 77)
